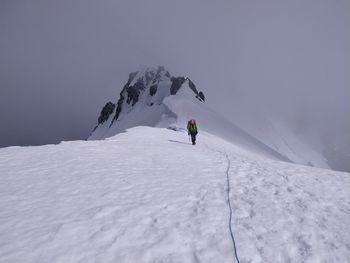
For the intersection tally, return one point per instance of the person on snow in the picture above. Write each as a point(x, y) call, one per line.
point(192, 130)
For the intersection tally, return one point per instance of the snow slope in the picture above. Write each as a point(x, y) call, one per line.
point(280, 136)
point(152, 97)
point(171, 105)
point(147, 195)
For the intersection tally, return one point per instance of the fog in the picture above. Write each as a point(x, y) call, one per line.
point(60, 61)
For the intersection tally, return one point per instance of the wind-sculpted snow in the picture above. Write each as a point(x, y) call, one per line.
point(147, 195)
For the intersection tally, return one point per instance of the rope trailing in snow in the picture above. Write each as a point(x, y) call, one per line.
point(228, 199)
point(229, 205)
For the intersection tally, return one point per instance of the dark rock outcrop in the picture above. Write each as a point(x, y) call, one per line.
point(119, 107)
point(176, 84)
point(133, 92)
point(153, 90)
point(201, 96)
point(192, 86)
point(106, 112)
point(179, 81)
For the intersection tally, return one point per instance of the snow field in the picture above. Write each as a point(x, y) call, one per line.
point(147, 195)
point(104, 201)
point(289, 215)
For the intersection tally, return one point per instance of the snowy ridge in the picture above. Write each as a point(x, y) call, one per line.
point(147, 195)
point(211, 122)
point(152, 97)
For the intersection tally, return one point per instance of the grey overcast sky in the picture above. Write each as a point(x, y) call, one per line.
point(62, 60)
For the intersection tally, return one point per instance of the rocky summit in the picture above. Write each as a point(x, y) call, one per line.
point(147, 86)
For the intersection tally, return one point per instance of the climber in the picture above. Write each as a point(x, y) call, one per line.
point(192, 130)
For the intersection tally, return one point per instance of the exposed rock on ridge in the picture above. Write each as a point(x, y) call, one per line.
point(156, 82)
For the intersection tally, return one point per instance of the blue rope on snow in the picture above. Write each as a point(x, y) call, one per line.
point(229, 205)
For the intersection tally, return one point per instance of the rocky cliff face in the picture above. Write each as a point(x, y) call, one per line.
point(146, 87)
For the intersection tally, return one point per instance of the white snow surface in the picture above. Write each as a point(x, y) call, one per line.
point(147, 195)
point(279, 136)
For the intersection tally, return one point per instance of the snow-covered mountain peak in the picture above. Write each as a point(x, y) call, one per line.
point(149, 85)
point(153, 97)
point(141, 101)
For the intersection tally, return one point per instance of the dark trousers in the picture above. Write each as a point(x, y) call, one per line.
point(193, 138)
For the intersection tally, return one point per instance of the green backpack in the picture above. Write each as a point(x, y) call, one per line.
point(192, 127)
